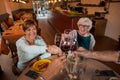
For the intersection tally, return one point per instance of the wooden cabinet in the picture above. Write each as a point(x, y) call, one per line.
point(100, 26)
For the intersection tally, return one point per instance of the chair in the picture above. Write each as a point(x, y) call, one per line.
point(4, 26)
point(119, 43)
point(1, 30)
point(13, 49)
point(9, 22)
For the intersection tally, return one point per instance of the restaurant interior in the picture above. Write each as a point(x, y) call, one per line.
point(54, 16)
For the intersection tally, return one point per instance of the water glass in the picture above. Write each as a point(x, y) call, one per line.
point(74, 68)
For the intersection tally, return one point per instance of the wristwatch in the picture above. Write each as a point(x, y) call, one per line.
point(41, 78)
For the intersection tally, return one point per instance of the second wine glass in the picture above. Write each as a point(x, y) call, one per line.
point(74, 44)
point(57, 39)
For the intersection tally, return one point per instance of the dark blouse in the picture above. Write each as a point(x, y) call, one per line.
point(83, 41)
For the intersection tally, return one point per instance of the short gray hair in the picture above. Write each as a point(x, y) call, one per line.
point(85, 20)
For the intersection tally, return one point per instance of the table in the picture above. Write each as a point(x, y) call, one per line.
point(11, 35)
point(91, 67)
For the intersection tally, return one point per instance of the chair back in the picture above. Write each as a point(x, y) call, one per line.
point(13, 48)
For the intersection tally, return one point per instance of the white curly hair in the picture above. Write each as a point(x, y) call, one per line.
point(85, 21)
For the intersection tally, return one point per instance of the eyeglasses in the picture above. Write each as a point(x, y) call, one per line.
point(81, 25)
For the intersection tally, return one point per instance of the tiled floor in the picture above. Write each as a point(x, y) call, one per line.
point(42, 16)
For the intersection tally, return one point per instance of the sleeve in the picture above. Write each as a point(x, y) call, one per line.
point(92, 42)
point(45, 55)
point(39, 41)
point(27, 52)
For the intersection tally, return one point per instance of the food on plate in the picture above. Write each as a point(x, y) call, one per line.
point(41, 65)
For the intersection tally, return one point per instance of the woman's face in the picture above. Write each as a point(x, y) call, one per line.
point(83, 28)
point(31, 32)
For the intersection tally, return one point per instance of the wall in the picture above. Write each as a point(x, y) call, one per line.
point(14, 6)
point(113, 24)
point(2, 8)
point(27, 6)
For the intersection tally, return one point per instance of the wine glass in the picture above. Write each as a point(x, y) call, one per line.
point(67, 33)
point(57, 39)
point(74, 44)
point(65, 45)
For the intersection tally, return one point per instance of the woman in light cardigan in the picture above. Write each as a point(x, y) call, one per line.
point(31, 45)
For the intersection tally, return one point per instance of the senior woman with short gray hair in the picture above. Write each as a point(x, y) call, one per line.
point(84, 37)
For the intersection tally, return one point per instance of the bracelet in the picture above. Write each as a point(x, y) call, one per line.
point(119, 57)
point(41, 78)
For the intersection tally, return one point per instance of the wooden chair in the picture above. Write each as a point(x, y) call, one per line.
point(119, 43)
point(13, 48)
point(4, 26)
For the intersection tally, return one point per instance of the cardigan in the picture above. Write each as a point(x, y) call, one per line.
point(27, 52)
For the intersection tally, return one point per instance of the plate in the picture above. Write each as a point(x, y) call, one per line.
point(41, 65)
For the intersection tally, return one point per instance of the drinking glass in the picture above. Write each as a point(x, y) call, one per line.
point(74, 44)
point(65, 45)
point(74, 68)
point(67, 33)
point(57, 39)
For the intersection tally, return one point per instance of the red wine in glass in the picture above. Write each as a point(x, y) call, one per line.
point(65, 45)
point(73, 47)
point(57, 43)
point(65, 48)
point(74, 44)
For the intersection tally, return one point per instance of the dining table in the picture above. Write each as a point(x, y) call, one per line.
point(10, 35)
point(91, 67)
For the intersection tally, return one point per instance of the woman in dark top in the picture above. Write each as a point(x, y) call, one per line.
point(84, 37)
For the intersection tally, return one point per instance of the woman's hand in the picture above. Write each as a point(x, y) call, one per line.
point(53, 49)
point(81, 49)
point(54, 68)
